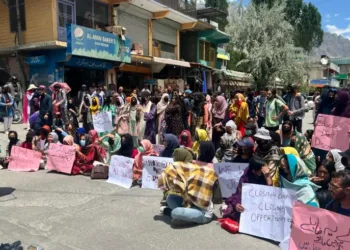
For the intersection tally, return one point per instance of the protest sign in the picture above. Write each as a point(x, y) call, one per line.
point(24, 160)
point(120, 171)
point(267, 211)
point(158, 148)
point(152, 168)
point(331, 132)
point(60, 158)
point(315, 228)
point(229, 175)
point(103, 122)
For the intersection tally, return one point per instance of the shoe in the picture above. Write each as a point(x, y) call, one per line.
point(180, 223)
point(163, 203)
point(162, 208)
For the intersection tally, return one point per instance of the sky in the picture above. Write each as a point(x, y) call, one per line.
point(335, 15)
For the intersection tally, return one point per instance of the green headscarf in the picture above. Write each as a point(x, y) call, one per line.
point(304, 188)
point(112, 149)
point(181, 154)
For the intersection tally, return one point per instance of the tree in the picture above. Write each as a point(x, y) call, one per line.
point(220, 5)
point(266, 38)
point(306, 20)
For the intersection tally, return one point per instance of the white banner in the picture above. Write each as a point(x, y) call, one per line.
point(152, 167)
point(229, 174)
point(267, 211)
point(120, 171)
point(102, 122)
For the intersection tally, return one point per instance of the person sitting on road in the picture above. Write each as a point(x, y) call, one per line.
point(28, 143)
point(190, 193)
point(256, 173)
point(127, 147)
point(13, 141)
point(335, 157)
point(171, 143)
point(340, 190)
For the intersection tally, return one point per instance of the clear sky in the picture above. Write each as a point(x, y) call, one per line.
point(335, 15)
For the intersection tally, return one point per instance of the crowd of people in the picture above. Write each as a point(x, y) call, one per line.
point(197, 130)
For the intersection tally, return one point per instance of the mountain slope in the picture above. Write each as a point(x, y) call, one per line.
point(333, 46)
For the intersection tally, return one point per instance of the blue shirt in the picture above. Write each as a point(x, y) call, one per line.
point(335, 206)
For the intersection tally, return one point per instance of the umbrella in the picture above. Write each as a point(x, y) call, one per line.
point(63, 86)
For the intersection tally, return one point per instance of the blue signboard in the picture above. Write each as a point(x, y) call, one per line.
point(92, 43)
point(36, 60)
point(90, 63)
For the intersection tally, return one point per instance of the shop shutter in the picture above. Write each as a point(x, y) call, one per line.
point(165, 31)
point(136, 29)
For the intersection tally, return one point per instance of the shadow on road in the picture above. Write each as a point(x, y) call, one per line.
point(6, 191)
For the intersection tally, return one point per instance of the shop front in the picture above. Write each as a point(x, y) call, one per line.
point(89, 57)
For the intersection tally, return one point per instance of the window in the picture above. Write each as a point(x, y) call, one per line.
point(206, 51)
point(166, 47)
point(92, 13)
point(66, 15)
point(13, 15)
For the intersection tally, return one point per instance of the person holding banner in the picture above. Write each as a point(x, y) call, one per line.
point(88, 154)
point(340, 189)
point(109, 107)
point(190, 193)
point(145, 149)
point(127, 147)
point(112, 143)
point(256, 173)
point(294, 176)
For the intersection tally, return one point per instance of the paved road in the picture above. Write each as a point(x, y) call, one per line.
point(73, 212)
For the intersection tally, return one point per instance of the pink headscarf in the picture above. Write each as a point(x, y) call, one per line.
point(147, 145)
point(219, 108)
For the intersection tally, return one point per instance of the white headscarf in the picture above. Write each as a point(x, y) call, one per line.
point(161, 106)
point(337, 159)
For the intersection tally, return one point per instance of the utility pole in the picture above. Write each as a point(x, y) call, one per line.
point(19, 27)
point(20, 42)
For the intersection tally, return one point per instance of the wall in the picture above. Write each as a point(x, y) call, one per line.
point(41, 23)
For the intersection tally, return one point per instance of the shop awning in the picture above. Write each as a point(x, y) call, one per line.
point(214, 35)
point(232, 75)
point(171, 62)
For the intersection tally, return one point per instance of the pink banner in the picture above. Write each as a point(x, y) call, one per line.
point(24, 160)
point(60, 158)
point(318, 229)
point(331, 132)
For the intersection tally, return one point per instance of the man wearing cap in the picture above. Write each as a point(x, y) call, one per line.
point(269, 152)
point(245, 150)
point(148, 118)
point(45, 110)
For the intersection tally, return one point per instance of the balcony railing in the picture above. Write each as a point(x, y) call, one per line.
point(184, 6)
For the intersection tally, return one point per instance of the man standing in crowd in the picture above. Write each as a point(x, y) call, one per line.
point(340, 190)
point(45, 110)
point(148, 122)
point(296, 105)
point(16, 90)
point(261, 102)
point(251, 103)
point(121, 93)
point(274, 110)
point(81, 94)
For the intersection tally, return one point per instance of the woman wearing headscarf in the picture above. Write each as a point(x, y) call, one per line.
point(96, 142)
point(161, 106)
point(69, 140)
point(88, 154)
point(40, 142)
point(294, 176)
point(72, 113)
point(200, 136)
point(327, 103)
point(292, 138)
point(26, 103)
point(112, 143)
point(95, 106)
point(171, 143)
point(174, 116)
point(13, 141)
point(109, 107)
point(53, 138)
point(145, 149)
point(218, 112)
point(190, 192)
point(335, 157)
point(256, 173)
point(240, 112)
point(183, 155)
point(85, 112)
point(185, 139)
point(28, 143)
point(341, 106)
point(225, 152)
point(78, 133)
point(208, 115)
point(148, 118)
point(206, 154)
point(127, 148)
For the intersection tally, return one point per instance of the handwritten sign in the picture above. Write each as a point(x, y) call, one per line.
point(267, 211)
point(24, 160)
point(103, 122)
point(229, 175)
point(60, 158)
point(318, 229)
point(120, 171)
point(331, 132)
point(158, 148)
point(152, 168)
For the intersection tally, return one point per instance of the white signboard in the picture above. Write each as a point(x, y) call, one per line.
point(267, 211)
point(120, 171)
point(229, 174)
point(103, 122)
point(152, 167)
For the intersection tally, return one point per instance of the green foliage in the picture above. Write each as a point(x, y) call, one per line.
point(266, 39)
point(235, 57)
point(220, 5)
point(306, 20)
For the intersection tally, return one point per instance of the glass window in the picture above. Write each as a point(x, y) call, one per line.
point(13, 15)
point(166, 47)
point(100, 14)
point(92, 13)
